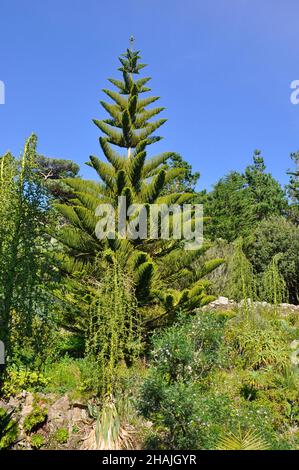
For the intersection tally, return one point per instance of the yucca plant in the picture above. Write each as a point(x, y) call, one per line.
point(111, 431)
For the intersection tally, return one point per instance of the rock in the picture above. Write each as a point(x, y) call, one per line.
point(14, 402)
point(58, 411)
point(222, 301)
point(75, 415)
point(294, 344)
point(247, 301)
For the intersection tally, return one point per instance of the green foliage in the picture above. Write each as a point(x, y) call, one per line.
point(270, 238)
point(77, 377)
point(258, 343)
point(18, 379)
point(113, 333)
point(52, 170)
point(61, 435)
point(244, 279)
point(228, 205)
point(77, 312)
point(37, 441)
point(239, 202)
point(293, 190)
point(241, 280)
point(293, 186)
point(212, 375)
point(186, 181)
point(268, 198)
point(251, 440)
point(24, 264)
point(169, 394)
point(8, 430)
point(273, 285)
point(141, 180)
point(35, 419)
point(112, 431)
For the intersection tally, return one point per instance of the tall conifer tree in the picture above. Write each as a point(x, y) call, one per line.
point(163, 272)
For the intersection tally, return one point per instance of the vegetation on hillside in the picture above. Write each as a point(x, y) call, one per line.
point(123, 325)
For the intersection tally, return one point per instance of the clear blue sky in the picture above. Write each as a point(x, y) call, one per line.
point(223, 69)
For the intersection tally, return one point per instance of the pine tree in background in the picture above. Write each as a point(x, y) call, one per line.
point(239, 201)
point(52, 170)
point(185, 182)
point(294, 178)
point(293, 189)
point(229, 206)
point(163, 272)
point(267, 197)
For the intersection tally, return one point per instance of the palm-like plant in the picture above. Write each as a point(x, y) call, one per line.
point(110, 431)
point(249, 440)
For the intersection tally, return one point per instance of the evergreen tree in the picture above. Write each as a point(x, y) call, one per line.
point(267, 197)
point(51, 172)
point(156, 265)
point(184, 183)
point(294, 178)
point(293, 190)
point(239, 202)
point(228, 207)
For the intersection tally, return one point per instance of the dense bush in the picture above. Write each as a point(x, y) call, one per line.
point(74, 376)
point(35, 419)
point(213, 376)
point(19, 379)
point(269, 238)
point(78, 311)
point(258, 344)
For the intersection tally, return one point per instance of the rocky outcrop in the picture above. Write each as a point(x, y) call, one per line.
point(61, 413)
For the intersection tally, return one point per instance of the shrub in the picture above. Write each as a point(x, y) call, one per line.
point(173, 409)
point(210, 376)
point(170, 395)
point(271, 237)
point(19, 379)
point(35, 419)
point(192, 346)
point(63, 376)
point(257, 344)
point(77, 376)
